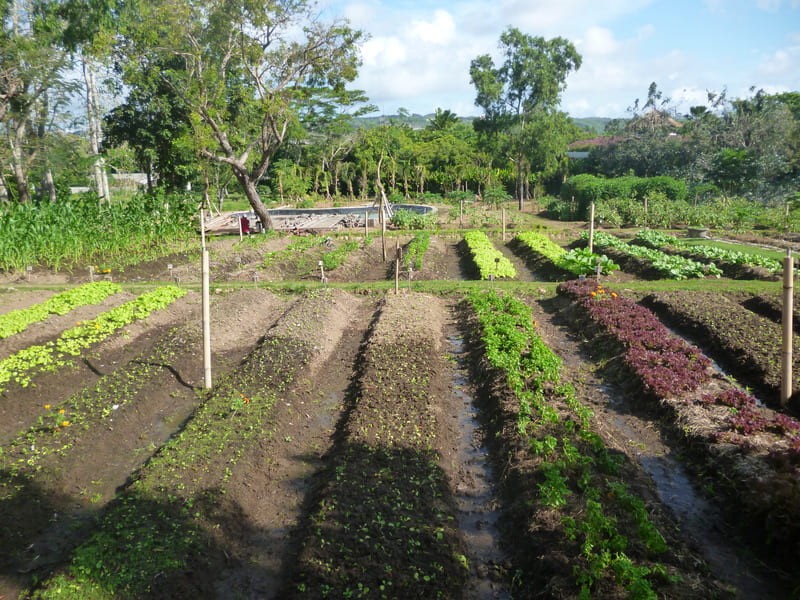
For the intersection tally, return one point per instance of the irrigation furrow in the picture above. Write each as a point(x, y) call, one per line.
point(524, 273)
point(160, 537)
point(124, 418)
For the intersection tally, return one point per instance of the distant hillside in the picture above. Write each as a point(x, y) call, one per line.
point(414, 121)
point(597, 124)
point(417, 121)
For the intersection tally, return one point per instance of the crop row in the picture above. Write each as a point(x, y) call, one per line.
point(416, 250)
point(571, 489)
point(68, 232)
point(744, 342)
point(163, 523)
point(705, 253)
point(18, 320)
point(382, 526)
point(760, 474)
point(578, 261)
point(670, 266)
point(22, 365)
point(664, 363)
point(489, 261)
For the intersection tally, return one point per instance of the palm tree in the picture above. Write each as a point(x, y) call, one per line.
point(442, 119)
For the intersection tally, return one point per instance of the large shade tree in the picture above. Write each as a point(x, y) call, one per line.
point(247, 69)
point(527, 85)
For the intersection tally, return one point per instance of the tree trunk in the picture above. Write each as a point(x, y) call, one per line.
point(250, 190)
point(95, 132)
point(3, 186)
point(16, 135)
point(49, 185)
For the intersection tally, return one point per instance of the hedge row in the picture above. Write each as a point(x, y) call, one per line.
point(585, 189)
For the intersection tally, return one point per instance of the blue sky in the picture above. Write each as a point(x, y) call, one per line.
point(418, 54)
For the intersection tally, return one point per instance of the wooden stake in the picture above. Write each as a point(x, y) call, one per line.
point(591, 228)
point(504, 224)
point(788, 316)
point(397, 276)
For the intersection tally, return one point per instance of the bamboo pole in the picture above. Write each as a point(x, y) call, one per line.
point(504, 224)
point(786, 351)
point(591, 228)
point(206, 307)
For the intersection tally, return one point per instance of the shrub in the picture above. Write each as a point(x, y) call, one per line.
point(408, 219)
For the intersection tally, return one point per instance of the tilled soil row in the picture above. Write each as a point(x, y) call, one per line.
point(382, 523)
point(739, 339)
point(269, 486)
point(159, 537)
point(115, 424)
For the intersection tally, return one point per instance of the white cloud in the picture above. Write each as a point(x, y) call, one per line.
point(383, 52)
point(598, 41)
point(783, 63)
point(440, 31)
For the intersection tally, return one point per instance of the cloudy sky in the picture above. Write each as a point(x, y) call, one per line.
point(418, 53)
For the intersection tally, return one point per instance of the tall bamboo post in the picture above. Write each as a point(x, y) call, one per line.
point(591, 228)
point(788, 310)
point(206, 306)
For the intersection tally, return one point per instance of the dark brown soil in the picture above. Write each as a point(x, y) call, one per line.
point(335, 430)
